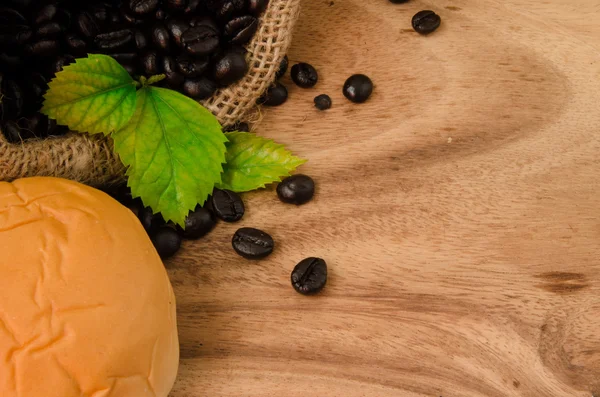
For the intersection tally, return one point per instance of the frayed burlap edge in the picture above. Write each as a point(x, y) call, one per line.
point(90, 159)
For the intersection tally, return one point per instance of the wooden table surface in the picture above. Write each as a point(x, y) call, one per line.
point(458, 211)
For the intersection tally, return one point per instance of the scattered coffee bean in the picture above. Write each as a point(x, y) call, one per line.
point(227, 205)
point(166, 241)
point(309, 276)
point(252, 243)
point(198, 223)
point(323, 102)
point(358, 88)
point(150, 221)
point(275, 95)
point(230, 67)
point(426, 21)
point(304, 75)
point(296, 189)
point(283, 67)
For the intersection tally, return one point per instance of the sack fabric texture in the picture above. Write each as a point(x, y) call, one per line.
point(91, 160)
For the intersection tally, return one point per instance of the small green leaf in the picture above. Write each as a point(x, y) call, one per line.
point(252, 162)
point(174, 148)
point(94, 95)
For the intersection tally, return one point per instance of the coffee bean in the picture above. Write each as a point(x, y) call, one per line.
point(252, 243)
point(200, 88)
point(76, 44)
point(132, 19)
point(358, 88)
point(323, 102)
point(227, 8)
point(241, 29)
point(10, 63)
point(14, 36)
point(150, 221)
point(115, 18)
point(45, 14)
point(275, 95)
point(283, 67)
point(12, 100)
point(12, 132)
point(192, 6)
point(141, 7)
point(426, 21)
point(160, 14)
point(296, 189)
point(309, 276)
point(141, 41)
point(198, 223)
point(114, 40)
point(161, 38)
point(237, 127)
point(176, 5)
point(87, 25)
point(62, 61)
point(150, 64)
point(200, 40)
point(166, 241)
point(257, 7)
point(174, 78)
point(49, 29)
point(190, 67)
point(100, 12)
point(230, 67)
point(125, 58)
point(227, 205)
point(176, 27)
point(202, 20)
point(43, 48)
point(304, 75)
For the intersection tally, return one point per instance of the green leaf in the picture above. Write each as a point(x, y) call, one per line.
point(94, 95)
point(174, 149)
point(252, 162)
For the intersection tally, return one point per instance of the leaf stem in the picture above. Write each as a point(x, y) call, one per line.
point(155, 79)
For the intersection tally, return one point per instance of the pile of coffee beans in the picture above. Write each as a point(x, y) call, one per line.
point(309, 276)
point(197, 44)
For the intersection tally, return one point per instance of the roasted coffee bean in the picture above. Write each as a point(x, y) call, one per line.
point(43, 48)
point(131, 69)
point(304, 75)
point(10, 63)
point(190, 67)
point(275, 95)
point(160, 38)
point(174, 78)
point(283, 67)
point(32, 126)
point(198, 223)
point(60, 62)
point(100, 12)
point(63, 16)
point(227, 8)
point(160, 14)
point(10, 16)
point(76, 44)
point(13, 36)
point(358, 88)
point(323, 102)
point(49, 29)
point(252, 243)
point(142, 7)
point(176, 5)
point(12, 99)
point(23, 4)
point(192, 6)
point(114, 18)
point(296, 189)
point(87, 25)
point(227, 205)
point(166, 241)
point(132, 19)
point(257, 7)
point(150, 64)
point(200, 40)
point(309, 276)
point(176, 27)
point(204, 21)
point(426, 21)
point(241, 29)
point(200, 88)
point(12, 132)
point(141, 41)
point(230, 67)
point(112, 41)
point(45, 14)
point(150, 221)
point(125, 58)
point(237, 127)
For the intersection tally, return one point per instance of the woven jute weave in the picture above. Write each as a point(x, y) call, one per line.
point(90, 159)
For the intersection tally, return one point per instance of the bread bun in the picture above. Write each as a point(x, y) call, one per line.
point(86, 306)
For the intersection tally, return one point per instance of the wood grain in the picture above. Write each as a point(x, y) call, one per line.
point(457, 210)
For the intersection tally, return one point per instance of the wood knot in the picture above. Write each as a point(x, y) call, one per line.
point(562, 282)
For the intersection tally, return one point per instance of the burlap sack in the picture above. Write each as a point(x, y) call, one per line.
point(90, 160)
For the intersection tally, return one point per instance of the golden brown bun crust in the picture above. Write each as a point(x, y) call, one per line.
point(86, 306)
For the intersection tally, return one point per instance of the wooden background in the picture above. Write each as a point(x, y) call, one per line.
point(458, 211)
